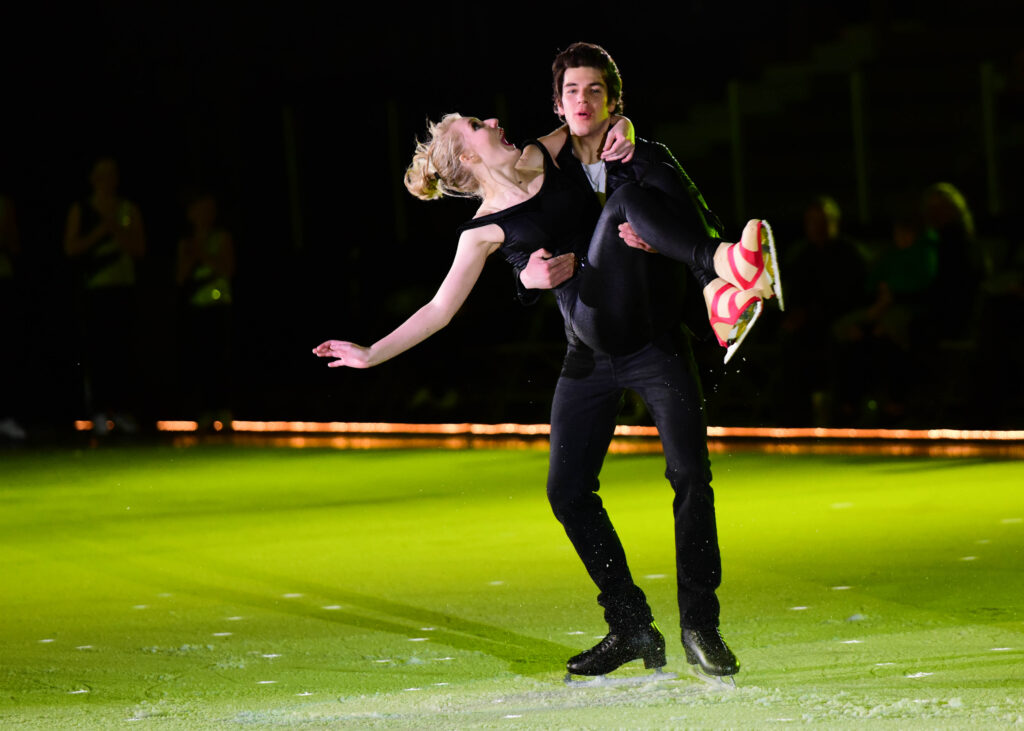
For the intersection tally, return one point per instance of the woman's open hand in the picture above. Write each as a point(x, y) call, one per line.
point(344, 354)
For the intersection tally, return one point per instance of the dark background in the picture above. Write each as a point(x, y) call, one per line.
point(303, 116)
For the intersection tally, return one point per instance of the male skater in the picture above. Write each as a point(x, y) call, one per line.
point(587, 90)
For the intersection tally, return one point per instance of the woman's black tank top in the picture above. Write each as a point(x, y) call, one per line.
point(560, 218)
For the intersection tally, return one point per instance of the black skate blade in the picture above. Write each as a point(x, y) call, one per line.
point(720, 682)
point(605, 681)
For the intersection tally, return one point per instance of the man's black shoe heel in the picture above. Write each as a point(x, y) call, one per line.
point(618, 648)
point(655, 655)
point(706, 649)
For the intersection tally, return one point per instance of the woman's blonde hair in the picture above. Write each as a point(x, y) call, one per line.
point(435, 170)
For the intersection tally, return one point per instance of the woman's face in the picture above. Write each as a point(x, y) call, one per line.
point(484, 141)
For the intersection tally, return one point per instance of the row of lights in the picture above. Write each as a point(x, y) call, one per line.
point(534, 430)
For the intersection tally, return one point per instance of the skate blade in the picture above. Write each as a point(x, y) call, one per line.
point(605, 681)
point(721, 682)
point(743, 327)
point(772, 263)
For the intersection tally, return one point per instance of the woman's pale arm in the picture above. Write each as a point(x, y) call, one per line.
point(555, 140)
point(621, 139)
point(472, 253)
point(618, 145)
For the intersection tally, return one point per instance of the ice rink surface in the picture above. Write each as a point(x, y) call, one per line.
point(219, 586)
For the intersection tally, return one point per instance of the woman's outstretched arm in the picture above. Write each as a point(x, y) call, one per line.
point(474, 247)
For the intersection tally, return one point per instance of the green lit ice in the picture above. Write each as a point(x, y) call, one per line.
point(249, 587)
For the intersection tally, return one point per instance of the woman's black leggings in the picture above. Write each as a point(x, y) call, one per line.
point(615, 311)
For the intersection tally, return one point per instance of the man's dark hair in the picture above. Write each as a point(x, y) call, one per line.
point(593, 56)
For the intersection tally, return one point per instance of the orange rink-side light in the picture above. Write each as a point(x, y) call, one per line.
point(374, 435)
point(533, 430)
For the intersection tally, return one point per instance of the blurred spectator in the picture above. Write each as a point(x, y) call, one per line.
point(1010, 123)
point(12, 334)
point(998, 358)
point(887, 342)
point(104, 238)
point(205, 270)
point(962, 263)
point(825, 279)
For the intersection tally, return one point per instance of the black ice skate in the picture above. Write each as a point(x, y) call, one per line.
point(615, 650)
point(711, 657)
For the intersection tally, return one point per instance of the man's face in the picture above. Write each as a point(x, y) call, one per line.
point(584, 103)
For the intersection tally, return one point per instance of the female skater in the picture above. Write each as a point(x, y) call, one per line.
point(526, 204)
